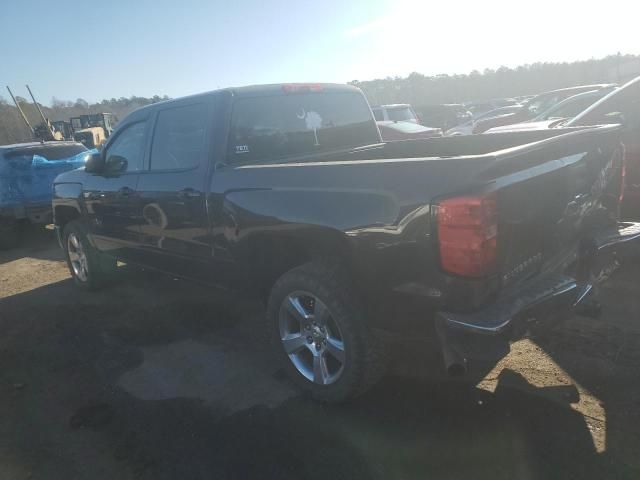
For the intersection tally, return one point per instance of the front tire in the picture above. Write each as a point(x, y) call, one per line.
point(89, 268)
point(320, 334)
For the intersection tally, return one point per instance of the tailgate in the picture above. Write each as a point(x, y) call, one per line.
point(548, 194)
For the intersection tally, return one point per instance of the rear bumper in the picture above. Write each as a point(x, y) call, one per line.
point(485, 334)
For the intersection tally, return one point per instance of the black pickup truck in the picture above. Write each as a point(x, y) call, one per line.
point(287, 192)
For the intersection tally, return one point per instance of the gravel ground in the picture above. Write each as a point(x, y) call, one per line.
point(157, 378)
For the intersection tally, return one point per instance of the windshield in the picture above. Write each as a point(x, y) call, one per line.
point(570, 107)
point(402, 114)
point(623, 101)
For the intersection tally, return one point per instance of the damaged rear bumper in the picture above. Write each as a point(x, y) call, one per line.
point(484, 335)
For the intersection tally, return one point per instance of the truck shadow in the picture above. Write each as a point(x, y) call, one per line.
point(35, 241)
point(79, 345)
point(603, 356)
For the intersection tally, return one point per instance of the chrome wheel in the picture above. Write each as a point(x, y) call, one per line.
point(77, 257)
point(311, 338)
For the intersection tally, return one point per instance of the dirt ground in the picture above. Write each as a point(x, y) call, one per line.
point(157, 378)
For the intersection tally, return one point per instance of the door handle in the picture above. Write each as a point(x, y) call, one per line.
point(188, 193)
point(125, 192)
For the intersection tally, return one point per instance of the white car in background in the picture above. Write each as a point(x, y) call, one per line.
point(398, 112)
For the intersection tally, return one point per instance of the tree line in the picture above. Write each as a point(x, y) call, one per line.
point(13, 129)
point(416, 89)
point(420, 90)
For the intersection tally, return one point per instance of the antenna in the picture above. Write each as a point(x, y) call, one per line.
point(44, 119)
point(21, 112)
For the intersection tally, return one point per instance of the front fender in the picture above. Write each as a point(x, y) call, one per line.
point(67, 202)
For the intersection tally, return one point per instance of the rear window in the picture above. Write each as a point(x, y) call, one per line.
point(268, 128)
point(48, 152)
point(403, 114)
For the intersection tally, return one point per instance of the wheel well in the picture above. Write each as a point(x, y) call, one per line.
point(270, 256)
point(63, 214)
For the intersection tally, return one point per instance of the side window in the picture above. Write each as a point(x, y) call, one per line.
point(129, 146)
point(377, 113)
point(179, 137)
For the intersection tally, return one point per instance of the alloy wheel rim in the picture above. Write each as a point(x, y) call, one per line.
point(311, 338)
point(77, 257)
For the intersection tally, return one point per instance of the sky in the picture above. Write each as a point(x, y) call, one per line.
point(96, 50)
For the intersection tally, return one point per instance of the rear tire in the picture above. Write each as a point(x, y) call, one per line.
point(320, 333)
point(89, 268)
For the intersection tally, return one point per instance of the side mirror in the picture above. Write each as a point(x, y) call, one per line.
point(116, 164)
point(94, 164)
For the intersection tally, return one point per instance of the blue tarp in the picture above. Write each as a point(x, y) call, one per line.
point(26, 179)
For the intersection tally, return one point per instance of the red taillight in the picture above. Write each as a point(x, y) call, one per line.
point(302, 87)
point(468, 233)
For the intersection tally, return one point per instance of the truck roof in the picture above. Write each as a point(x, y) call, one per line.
point(266, 89)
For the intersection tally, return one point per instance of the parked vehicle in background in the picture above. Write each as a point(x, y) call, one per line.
point(523, 98)
point(392, 131)
point(286, 192)
point(104, 120)
point(622, 105)
point(27, 171)
point(572, 106)
point(444, 116)
point(92, 129)
point(478, 108)
point(91, 137)
point(399, 112)
point(467, 127)
point(535, 106)
point(556, 115)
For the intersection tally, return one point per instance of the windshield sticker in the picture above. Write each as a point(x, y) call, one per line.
point(312, 120)
point(242, 148)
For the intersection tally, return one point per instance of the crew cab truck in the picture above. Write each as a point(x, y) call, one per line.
point(288, 192)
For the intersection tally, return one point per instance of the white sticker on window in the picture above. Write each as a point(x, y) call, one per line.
point(242, 148)
point(312, 120)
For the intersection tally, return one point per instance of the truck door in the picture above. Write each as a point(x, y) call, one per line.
point(175, 230)
point(111, 196)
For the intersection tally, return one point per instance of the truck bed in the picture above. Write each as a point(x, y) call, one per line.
point(382, 197)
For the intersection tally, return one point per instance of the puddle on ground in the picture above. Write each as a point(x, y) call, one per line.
point(212, 373)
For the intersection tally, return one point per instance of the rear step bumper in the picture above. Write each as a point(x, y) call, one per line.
point(485, 334)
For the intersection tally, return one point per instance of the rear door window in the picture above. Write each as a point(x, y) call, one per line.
point(274, 127)
point(179, 137)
